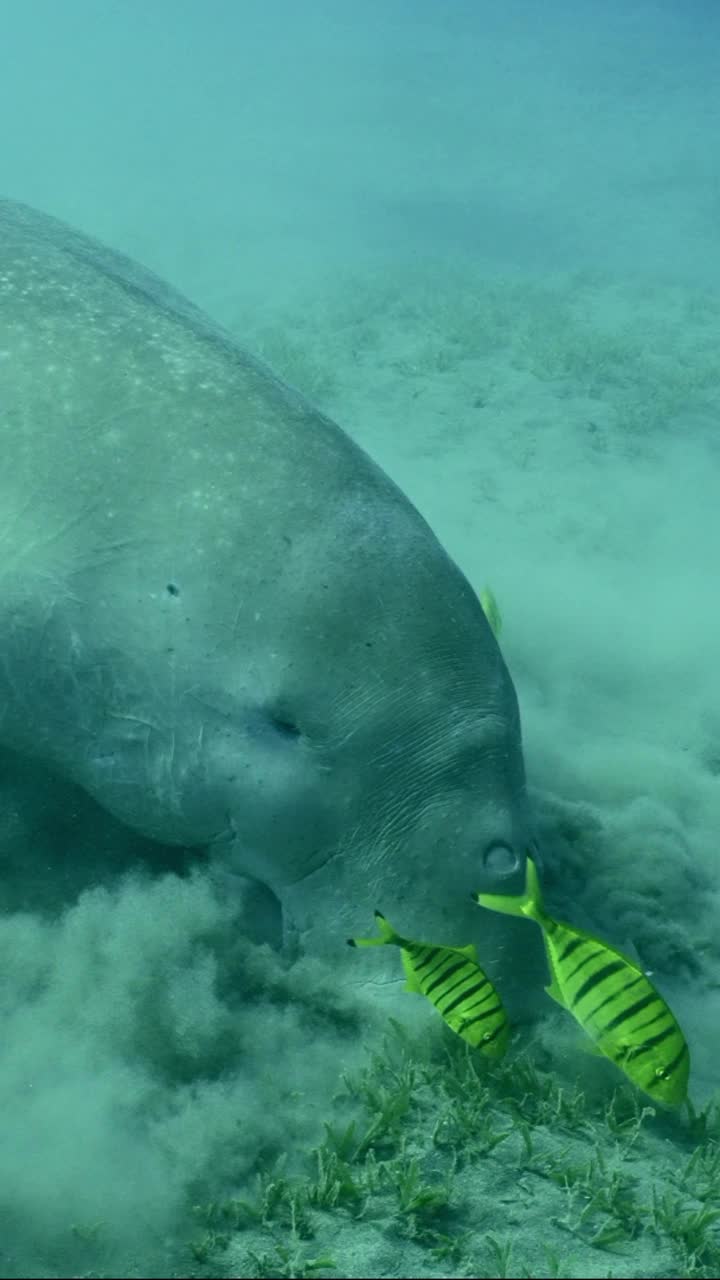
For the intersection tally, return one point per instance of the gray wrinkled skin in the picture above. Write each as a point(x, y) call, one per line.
point(225, 623)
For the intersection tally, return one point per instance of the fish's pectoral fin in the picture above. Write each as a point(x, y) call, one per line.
point(624, 1052)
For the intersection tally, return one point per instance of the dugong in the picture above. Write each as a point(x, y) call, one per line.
point(222, 620)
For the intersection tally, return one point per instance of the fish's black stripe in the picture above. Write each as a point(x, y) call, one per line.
point(468, 974)
point(459, 964)
point(613, 996)
point(464, 977)
point(432, 952)
point(592, 955)
point(664, 1013)
point(600, 975)
point(672, 1066)
point(444, 959)
point(463, 996)
point(490, 994)
point(497, 1008)
point(652, 1042)
point(572, 945)
point(439, 959)
point(632, 1009)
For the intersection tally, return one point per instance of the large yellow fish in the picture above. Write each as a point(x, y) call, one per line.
point(609, 995)
point(454, 983)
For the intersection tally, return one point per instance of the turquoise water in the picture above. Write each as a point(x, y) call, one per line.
point(483, 240)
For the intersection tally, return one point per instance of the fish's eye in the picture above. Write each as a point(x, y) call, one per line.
point(662, 1073)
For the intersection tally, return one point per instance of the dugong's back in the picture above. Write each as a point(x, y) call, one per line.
point(140, 431)
point(95, 326)
point(220, 617)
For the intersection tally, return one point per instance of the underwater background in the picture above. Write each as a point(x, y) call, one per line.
point(485, 239)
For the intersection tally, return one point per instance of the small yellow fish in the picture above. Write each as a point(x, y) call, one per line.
point(454, 983)
point(609, 995)
point(491, 611)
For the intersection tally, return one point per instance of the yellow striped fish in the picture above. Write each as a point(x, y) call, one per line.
point(609, 995)
point(454, 983)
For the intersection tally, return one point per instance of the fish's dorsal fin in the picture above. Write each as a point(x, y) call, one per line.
point(470, 952)
point(633, 961)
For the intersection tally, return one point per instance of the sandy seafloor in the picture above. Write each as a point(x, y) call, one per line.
point(560, 435)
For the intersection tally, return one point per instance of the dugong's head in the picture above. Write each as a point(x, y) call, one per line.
point(327, 709)
point(373, 759)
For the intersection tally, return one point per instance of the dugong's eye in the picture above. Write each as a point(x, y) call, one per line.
point(271, 724)
point(284, 726)
point(281, 720)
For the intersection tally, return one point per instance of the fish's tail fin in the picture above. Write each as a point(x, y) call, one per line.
point(528, 903)
point(386, 934)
